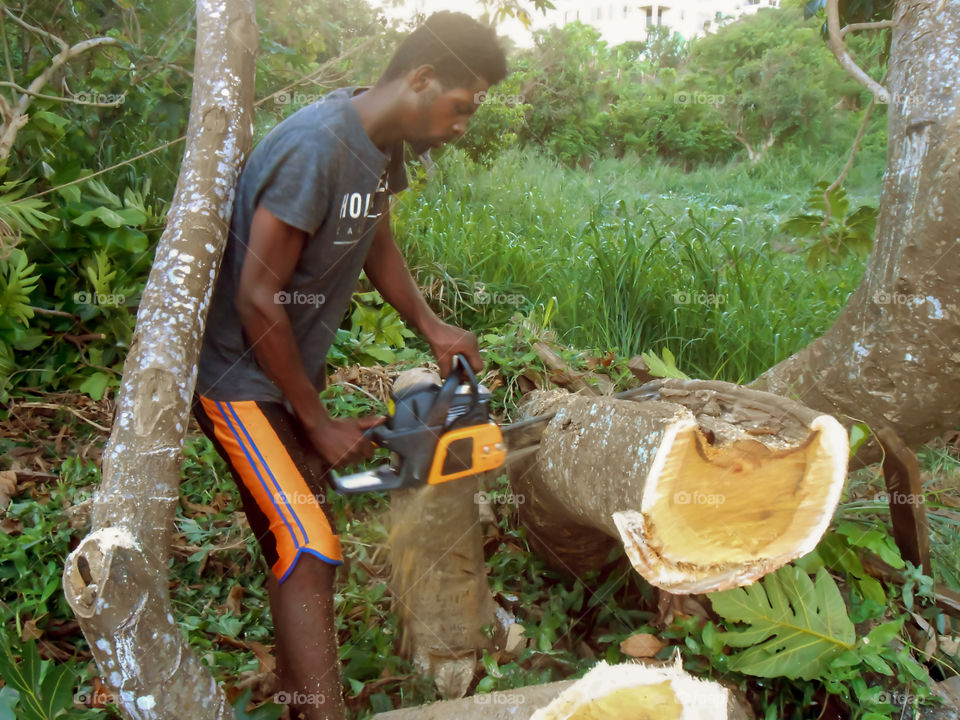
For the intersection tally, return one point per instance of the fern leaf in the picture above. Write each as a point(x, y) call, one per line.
point(23, 216)
point(795, 626)
point(17, 281)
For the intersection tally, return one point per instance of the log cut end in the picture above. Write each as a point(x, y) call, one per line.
point(638, 691)
point(716, 516)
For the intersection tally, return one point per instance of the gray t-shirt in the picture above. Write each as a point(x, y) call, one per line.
point(318, 171)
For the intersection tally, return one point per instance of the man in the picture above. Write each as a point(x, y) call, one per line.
point(311, 210)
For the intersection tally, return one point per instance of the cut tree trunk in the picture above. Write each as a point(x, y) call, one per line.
point(116, 580)
point(707, 485)
point(607, 692)
point(438, 582)
point(892, 358)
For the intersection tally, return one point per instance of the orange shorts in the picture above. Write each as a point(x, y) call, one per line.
point(282, 480)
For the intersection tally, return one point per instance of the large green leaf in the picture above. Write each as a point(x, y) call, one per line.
point(795, 626)
point(108, 217)
point(8, 703)
point(56, 690)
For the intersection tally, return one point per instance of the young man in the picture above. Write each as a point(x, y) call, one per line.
point(312, 209)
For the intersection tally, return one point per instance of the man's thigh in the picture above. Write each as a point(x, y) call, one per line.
point(282, 480)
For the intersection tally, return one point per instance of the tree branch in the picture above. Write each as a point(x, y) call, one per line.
point(58, 98)
point(6, 47)
point(846, 168)
point(855, 27)
point(39, 31)
point(835, 41)
point(18, 117)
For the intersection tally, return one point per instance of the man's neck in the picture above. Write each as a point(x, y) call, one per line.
point(376, 108)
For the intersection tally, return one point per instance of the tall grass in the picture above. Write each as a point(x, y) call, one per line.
point(638, 255)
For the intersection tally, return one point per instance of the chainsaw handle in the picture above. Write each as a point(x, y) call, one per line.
point(459, 372)
point(375, 434)
point(460, 361)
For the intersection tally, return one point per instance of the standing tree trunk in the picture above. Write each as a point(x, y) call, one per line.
point(439, 580)
point(892, 358)
point(116, 580)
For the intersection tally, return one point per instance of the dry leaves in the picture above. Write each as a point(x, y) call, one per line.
point(233, 603)
point(8, 487)
point(642, 645)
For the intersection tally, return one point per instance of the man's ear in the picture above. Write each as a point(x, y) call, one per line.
point(421, 77)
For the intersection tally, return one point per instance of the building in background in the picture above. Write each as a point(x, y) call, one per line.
point(617, 22)
point(625, 21)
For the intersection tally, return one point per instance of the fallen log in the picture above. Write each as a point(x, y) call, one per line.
point(607, 692)
point(707, 485)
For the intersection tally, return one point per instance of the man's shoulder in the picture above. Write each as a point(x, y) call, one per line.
point(318, 123)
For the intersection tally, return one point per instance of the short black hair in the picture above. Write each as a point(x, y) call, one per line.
point(457, 46)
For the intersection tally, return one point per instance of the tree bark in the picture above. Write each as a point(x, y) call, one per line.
point(116, 580)
point(892, 358)
point(439, 582)
point(707, 485)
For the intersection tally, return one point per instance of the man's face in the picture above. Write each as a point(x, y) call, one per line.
point(442, 114)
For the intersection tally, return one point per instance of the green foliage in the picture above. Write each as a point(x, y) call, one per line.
point(91, 267)
point(769, 77)
point(764, 79)
point(637, 256)
point(19, 214)
point(498, 122)
point(795, 627)
point(664, 366)
point(35, 689)
point(377, 334)
point(836, 232)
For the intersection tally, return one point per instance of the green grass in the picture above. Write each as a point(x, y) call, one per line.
point(637, 255)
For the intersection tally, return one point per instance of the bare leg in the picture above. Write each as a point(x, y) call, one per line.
point(308, 667)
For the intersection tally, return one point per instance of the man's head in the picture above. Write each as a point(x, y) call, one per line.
point(440, 70)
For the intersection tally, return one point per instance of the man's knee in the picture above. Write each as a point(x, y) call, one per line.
point(312, 572)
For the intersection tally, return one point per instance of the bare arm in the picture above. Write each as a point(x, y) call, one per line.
point(272, 254)
point(388, 271)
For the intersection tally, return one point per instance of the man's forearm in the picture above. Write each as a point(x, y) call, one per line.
point(270, 334)
point(390, 275)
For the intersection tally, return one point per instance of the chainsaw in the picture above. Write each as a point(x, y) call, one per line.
point(438, 433)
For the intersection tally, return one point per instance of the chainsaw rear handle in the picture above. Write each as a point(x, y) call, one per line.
point(460, 372)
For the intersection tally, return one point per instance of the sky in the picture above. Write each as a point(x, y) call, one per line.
point(513, 29)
